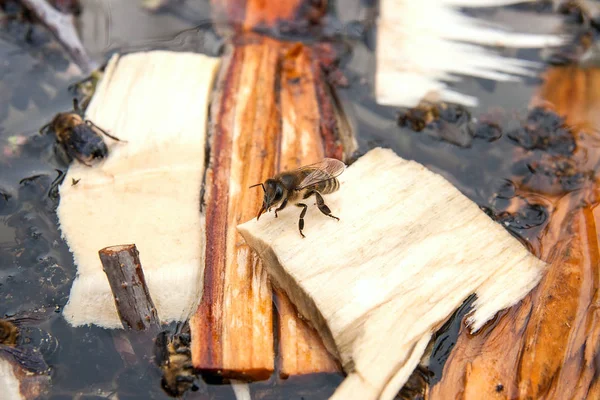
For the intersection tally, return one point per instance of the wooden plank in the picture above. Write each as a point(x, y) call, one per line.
point(273, 110)
point(408, 250)
point(268, 118)
point(147, 191)
point(232, 331)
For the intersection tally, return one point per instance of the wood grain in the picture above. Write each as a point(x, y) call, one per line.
point(233, 329)
point(266, 119)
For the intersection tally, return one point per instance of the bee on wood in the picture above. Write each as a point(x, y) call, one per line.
point(295, 186)
point(77, 136)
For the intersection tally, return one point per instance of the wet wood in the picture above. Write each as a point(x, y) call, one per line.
point(546, 346)
point(266, 118)
point(535, 349)
point(232, 331)
point(364, 282)
point(123, 268)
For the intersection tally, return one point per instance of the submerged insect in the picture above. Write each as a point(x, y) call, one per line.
point(173, 355)
point(29, 358)
point(77, 136)
point(9, 333)
point(294, 186)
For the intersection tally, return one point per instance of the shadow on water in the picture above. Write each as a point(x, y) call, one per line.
point(36, 268)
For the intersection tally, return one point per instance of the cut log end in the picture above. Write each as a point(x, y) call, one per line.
point(111, 250)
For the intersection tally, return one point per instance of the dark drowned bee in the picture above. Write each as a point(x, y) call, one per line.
point(28, 358)
point(173, 355)
point(78, 137)
point(295, 186)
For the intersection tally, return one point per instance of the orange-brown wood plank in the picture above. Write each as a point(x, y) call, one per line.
point(266, 118)
point(232, 331)
point(547, 346)
point(268, 14)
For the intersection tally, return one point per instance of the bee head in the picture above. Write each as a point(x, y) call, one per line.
point(274, 192)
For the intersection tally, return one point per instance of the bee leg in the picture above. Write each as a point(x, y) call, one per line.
point(323, 207)
point(281, 207)
point(53, 191)
point(62, 153)
point(301, 220)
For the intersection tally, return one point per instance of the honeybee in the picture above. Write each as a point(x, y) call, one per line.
point(29, 358)
point(294, 186)
point(78, 137)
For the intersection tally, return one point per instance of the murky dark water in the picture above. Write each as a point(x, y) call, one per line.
point(36, 268)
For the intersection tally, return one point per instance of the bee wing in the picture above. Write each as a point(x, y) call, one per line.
point(28, 358)
point(324, 170)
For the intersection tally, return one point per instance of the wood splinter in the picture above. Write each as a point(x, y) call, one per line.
point(122, 267)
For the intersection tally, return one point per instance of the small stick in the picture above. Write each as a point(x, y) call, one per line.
point(123, 269)
point(62, 27)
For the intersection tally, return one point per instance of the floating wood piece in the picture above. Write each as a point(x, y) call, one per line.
point(269, 117)
point(122, 267)
point(546, 346)
point(408, 249)
point(147, 191)
point(422, 45)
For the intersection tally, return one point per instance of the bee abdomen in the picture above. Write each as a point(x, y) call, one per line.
point(329, 186)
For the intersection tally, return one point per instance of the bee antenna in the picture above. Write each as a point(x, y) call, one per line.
point(258, 184)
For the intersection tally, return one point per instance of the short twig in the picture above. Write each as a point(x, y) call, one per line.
point(126, 278)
